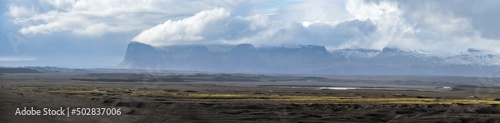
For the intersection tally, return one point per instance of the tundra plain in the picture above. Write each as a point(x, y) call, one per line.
point(200, 97)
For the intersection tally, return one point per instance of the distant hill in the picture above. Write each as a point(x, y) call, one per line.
point(18, 70)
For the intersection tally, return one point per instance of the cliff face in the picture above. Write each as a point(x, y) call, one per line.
point(306, 59)
point(139, 55)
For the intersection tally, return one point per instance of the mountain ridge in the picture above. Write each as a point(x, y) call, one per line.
point(245, 58)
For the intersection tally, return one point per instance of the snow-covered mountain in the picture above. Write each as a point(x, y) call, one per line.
point(308, 59)
point(403, 61)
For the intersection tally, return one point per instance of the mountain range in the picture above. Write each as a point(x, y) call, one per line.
point(308, 59)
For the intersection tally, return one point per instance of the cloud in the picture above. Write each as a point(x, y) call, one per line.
point(432, 25)
point(210, 26)
point(96, 18)
point(220, 26)
point(428, 25)
point(201, 26)
point(315, 10)
point(18, 11)
point(16, 58)
point(480, 15)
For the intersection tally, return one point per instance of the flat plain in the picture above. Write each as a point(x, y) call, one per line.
point(197, 97)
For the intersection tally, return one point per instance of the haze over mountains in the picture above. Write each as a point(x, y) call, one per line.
point(245, 58)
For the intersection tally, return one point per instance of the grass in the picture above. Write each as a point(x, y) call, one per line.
point(260, 98)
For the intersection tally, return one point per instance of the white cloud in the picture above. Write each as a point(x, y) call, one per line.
point(84, 17)
point(16, 58)
point(428, 25)
point(20, 11)
point(446, 26)
point(387, 17)
point(199, 27)
point(316, 10)
point(218, 26)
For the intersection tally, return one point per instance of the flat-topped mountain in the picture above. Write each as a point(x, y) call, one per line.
point(227, 58)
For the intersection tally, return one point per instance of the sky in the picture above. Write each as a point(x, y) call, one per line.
point(95, 33)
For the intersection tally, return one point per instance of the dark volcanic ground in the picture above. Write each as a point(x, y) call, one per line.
point(54, 90)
